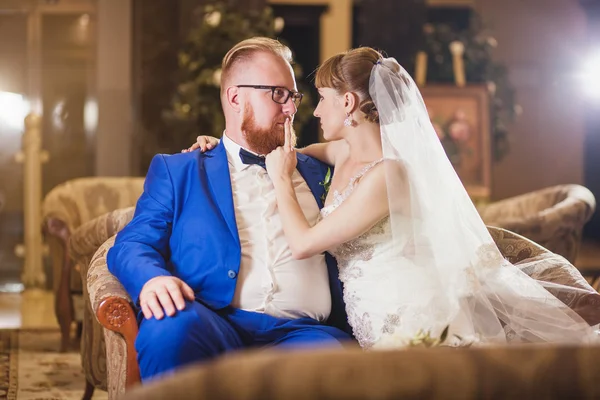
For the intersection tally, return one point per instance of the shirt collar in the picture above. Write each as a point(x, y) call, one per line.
point(233, 153)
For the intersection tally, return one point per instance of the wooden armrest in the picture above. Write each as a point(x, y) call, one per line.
point(116, 314)
point(113, 308)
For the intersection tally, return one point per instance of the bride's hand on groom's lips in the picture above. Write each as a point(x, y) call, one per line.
point(204, 143)
point(282, 161)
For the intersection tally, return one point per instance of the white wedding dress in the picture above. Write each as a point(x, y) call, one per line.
point(432, 263)
point(389, 298)
point(377, 291)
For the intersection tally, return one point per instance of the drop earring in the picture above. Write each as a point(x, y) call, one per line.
point(348, 121)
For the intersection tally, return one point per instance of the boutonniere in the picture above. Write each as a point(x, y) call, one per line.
point(326, 183)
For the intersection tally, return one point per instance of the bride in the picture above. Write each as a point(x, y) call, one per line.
point(413, 254)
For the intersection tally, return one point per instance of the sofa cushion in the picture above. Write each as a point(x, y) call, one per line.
point(565, 282)
point(553, 217)
point(507, 372)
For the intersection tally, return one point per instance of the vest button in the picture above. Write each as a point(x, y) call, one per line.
point(231, 273)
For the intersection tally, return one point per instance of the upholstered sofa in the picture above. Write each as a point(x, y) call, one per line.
point(64, 209)
point(113, 308)
point(509, 373)
point(83, 243)
point(552, 217)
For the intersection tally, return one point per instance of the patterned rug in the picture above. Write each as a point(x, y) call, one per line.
point(31, 368)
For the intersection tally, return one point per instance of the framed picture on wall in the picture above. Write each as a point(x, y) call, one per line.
point(461, 117)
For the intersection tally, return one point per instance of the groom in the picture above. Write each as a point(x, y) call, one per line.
point(205, 256)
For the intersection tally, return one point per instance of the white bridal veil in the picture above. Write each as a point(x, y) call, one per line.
point(439, 233)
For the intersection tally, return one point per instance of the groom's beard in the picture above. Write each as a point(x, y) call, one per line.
point(261, 140)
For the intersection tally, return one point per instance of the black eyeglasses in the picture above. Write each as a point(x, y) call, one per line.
point(279, 94)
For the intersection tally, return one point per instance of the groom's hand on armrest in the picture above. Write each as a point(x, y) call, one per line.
point(164, 292)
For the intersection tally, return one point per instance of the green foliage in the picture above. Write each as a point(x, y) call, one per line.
point(196, 106)
point(326, 185)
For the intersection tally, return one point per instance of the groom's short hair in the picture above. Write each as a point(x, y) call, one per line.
point(244, 50)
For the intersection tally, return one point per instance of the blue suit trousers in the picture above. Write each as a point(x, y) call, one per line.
point(198, 333)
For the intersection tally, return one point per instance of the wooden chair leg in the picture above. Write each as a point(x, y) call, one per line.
point(89, 391)
point(65, 336)
point(64, 303)
point(79, 329)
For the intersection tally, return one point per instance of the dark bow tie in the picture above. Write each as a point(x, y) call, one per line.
point(250, 158)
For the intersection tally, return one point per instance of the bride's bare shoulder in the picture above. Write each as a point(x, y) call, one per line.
point(328, 152)
point(387, 172)
point(394, 166)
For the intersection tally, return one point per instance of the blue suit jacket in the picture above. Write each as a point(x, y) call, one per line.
point(184, 225)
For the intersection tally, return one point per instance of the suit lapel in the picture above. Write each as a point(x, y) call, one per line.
point(312, 174)
point(217, 171)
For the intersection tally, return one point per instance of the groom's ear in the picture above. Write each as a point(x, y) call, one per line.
point(232, 96)
point(350, 102)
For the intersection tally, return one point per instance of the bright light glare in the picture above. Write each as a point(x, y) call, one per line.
point(84, 20)
point(591, 76)
point(90, 116)
point(13, 110)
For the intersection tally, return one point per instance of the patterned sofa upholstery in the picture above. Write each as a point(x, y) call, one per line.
point(64, 209)
point(553, 217)
point(507, 373)
point(83, 244)
point(114, 310)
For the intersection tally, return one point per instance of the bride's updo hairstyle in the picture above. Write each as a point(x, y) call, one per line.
point(350, 72)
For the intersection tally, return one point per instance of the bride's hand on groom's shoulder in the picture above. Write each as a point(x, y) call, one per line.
point(204, 143)
point(282, 161)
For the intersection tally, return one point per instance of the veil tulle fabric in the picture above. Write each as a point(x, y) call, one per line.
point(438, 232)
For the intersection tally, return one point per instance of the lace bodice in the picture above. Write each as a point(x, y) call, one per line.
point(363, 247)
point(338, 198)
point(387, 297)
